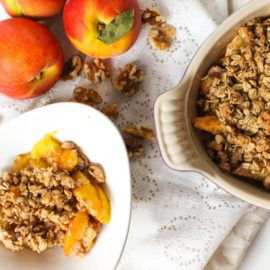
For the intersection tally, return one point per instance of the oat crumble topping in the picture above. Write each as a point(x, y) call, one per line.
point(235, 96)
point(43, 198)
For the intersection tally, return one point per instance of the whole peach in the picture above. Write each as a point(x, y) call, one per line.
point(82, 19)
point(31, 58)
point(35, 9)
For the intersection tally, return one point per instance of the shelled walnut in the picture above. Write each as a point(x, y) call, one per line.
point(142, 132)
point(86, 96)
point(128, 80)
point(96, 71)
point(162, 38)
point(151, 16)
point(72, 68)
point(134, 148)
point(111, 110)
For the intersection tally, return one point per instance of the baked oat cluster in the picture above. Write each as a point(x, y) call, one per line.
point(36, 207)
point(43, 200)
point(234, 104)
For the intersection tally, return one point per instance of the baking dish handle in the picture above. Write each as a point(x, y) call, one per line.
point(172, 132)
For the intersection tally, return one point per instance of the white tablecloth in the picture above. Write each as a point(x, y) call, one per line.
point(178, 219)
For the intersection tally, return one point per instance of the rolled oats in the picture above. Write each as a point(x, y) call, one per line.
point(97, 172)
point(236, 91)
point(38, 204)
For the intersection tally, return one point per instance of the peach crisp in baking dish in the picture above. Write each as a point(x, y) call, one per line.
point(234, 105)
point(52, 196)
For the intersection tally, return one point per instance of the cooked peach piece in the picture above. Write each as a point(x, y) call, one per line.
point(93, 197)
point(241, 171)
point(50, 150)
point(76, 231)
point(209, 124)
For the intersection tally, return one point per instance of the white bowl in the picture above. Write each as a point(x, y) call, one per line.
point(100, 140)
point(180, 145)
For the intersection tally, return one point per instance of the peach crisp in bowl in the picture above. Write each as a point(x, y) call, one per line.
point(65, 192)
point(217, 120)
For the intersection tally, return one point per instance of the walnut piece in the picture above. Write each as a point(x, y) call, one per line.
point(111, 110)
point(96, 71)
point(86, 96)
point(162, 38)
point(96, 172)
point(134, 148)
point(142, 132)
point(72, 68)
point(128, 80)
point(152, 17)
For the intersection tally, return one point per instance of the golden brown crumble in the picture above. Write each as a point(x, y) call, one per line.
point(96, 171)
point(162, 38)
point(96, 71)
point(129, 79)
point(151, 16)
point(39, 202)
point(235, 95)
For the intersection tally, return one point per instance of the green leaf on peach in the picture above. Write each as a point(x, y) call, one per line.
point(118, 27)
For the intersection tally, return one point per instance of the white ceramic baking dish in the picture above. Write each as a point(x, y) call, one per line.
point(179, 143)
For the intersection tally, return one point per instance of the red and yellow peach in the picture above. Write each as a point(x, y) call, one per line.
point(82, 18)
point(36, 9)
point(31, 58)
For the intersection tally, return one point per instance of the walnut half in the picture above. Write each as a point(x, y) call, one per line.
point(152, 17)
point(142, 132)
point(111, 110)
point(86, 96)
point(128, 80)
point(96, 71)
point(134, 148)
point(162, 38)
point(72, 68)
